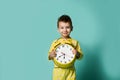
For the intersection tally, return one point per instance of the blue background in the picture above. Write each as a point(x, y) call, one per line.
point(27, 28)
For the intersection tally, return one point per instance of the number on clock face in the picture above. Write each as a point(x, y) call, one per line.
point(64, 53)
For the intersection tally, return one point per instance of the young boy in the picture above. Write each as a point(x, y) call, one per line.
point(64, 25)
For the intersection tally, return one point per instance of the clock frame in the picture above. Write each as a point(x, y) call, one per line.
point(64, 56)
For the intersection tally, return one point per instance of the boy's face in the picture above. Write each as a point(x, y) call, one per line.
point(64, 29)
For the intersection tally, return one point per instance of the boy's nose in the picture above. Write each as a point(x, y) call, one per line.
point(65, 29)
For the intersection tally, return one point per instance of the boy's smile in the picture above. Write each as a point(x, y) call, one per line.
point(64, 29)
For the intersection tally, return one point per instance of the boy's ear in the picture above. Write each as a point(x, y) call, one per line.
point(72, 28)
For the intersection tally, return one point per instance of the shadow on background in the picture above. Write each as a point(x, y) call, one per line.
point(91, 66)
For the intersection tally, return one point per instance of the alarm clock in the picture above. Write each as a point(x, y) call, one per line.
point(64, 56)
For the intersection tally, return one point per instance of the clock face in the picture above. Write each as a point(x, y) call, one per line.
point(64, 53)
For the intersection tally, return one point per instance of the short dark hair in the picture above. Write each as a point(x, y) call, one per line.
point(65, 18)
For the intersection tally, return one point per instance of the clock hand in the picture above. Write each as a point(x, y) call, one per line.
point(63, 54)
point(64, 57)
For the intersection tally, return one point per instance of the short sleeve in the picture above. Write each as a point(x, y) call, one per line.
point(78, 48)
point(52, 46)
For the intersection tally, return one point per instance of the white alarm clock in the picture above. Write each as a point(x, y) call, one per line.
point(64, 56)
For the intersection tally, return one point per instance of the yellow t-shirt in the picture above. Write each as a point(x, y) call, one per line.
point(68, 73)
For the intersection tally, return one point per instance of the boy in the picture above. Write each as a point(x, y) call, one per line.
point(64, 25)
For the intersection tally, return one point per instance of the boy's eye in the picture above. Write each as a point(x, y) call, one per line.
point(68, 27)
point(62, 27)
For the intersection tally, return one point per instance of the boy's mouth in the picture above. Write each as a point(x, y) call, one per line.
point(65, 33)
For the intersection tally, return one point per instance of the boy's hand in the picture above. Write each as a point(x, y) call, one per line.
point(76, 53)
point(52, 54)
